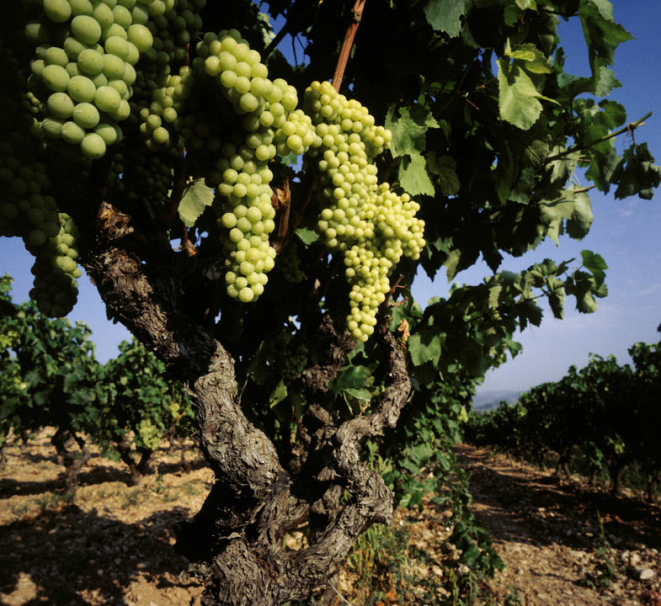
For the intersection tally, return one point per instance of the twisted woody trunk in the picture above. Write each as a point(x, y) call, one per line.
point(237, 537)
point(236, 540)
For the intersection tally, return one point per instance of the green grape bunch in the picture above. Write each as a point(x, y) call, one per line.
point(105, 71)
point(84, 67)
point(372, 226)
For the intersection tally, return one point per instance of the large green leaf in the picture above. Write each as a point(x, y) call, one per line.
point(414, 177)
point(518, 99)
point(445, 15)
point(425, 348)
point(445, 170)
point(408, 130)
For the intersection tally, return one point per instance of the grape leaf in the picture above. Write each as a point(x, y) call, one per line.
point(408, 135)
point(445, 15)
point(445, 168)
point(414, 178)
point(595, 264)
point(581, 220)
point(359, 394)
point(518, 98)
point(424, 352)
point(197, 196)
point(307, 236)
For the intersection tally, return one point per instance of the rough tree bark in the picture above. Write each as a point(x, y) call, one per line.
point(237, 537)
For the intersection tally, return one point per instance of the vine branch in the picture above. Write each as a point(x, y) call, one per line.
point(629, 128)
point(357, 13)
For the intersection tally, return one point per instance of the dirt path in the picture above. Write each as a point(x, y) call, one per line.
point(111, 544)
point(549, 535)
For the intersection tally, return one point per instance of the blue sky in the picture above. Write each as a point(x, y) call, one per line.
point(626, 233)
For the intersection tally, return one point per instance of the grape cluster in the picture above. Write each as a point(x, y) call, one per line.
point(84, 68)
point(269, 121)
point(25, 209)
point(143, 179)
point(173, 24)
point(369, 223)
point(55, 271)
point(162, 121)
point(289, 264)
point(159, 94)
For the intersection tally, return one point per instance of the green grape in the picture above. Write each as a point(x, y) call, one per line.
point(86, 115)
point(114, 67)
point(117, 46)
point(368, 223)
point(56, 56)
point(55, 77)
point(81, 7)
point(90, 62)
point(103, 15)
point(86, 29)
point(107, 99)
point(81, 89)
point(55, 288)
point(140, 36)
point(57, 10)
point(110, 133)
point(72, 133)
point(60, 105)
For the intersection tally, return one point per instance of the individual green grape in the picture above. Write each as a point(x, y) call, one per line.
point(107, 99)
point(90, 62)
point(60, 105)
point(57, 10)
point(86, 29)
point(93, 146)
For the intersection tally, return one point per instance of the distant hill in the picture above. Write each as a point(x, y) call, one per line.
point(488, 400)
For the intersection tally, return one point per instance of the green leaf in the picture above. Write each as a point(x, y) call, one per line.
point(352, 377)
point(595, 264)
point(307, 236)
point(421, 352)
point(535, 60)
point(554, 212)
point(556, 300)
point(359, 394)
point(637, 173)
point(445, 169)
point(445, 15)
point(408, 134)
point(197, 196)
point(580, 222)
point(518, 98)
point(414, 178)
point(278, 394)
point(452, 263)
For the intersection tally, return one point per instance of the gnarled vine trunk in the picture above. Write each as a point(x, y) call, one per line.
point(236, 539)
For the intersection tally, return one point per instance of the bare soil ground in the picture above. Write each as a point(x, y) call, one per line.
point(564, 543)
point(111, 543)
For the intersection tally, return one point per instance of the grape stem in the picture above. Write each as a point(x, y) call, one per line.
point(357, 13)
point(629, 128)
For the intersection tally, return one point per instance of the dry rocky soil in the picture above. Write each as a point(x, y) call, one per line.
point(564, 543)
